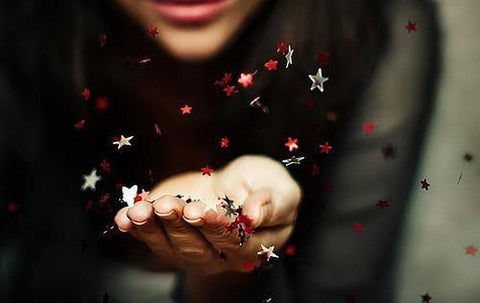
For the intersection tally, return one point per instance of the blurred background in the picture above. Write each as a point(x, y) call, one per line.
point(444, 221)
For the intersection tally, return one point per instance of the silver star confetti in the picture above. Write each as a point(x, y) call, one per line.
point(123, 141)
point(293, 160)
point(268, 252)
point(257, 104)
point(129, 194)
point(90, 181)
point(318, 80)
point(288, 56)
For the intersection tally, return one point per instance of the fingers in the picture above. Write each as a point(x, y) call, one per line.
point(212, 226)
point(185, 239)
point(265, 210)
point(143, 225)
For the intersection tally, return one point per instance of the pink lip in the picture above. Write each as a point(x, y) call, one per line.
point(190, 12)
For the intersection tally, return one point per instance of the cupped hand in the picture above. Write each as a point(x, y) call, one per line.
point(193, 239)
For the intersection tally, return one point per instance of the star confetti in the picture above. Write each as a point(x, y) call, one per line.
point(129, 194)
point(80, 125)
point(230, 90)
point(86, 94)
point(101, 104)
point(105, 166)
point(318, 80)
point(102, 40)
point(186, 109)
point(382, 204)
point(271, 65)
point(323, 58)
point(209, 204)
point(315, 170)
point(292, 161)
point(153, 31)
point(425, 184)
point(228, 205)
point(256, 103)
point(468, 157)
point(123, 142)
point(388, 151)
point(12, 207)
point(289, 56)
point(471, 250)
point(144, 195)
point(246, 80)
point(426, 298)
point(290, 250)
point(292, 144)
point(224, 142)
point(357, 227)
point(91, 180)
point(411, 26)
point(206, 170)
point(325, 148)
point(267, 252)
point(227, 78)
point(368, 127)
point(282, 48)
point(158, 130)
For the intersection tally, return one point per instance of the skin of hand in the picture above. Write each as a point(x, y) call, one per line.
point(190, 238)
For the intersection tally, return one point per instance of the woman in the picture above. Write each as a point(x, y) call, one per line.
point(147, 71)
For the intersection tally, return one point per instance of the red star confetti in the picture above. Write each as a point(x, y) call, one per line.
point(80, 125)
point(86, 94)
point(101, 104)
point(13, 207)
point(105, 166)
point(425, 184)
point(325, 148)
point(123, 141)
point(357, 227)
point(104, 198)
point(230, 90)
point(471, 250)
point(271, 65)
point(102, 40)
point(315, 170)
point(153, 31)
point(248, 265)
point(411, 27)
point(158, 130)
point(144, 195)
point(323, 58)
point(282, 48)
point(186, 110)
point(246, 80)
point(292, 144)
point(227, 78)
point(310, 103)
point(368, 127)
point(224, 142)
point(206, 171)
point(290, 250)
point(382, 204)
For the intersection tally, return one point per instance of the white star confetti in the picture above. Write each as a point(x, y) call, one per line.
point(123, 141)
point(267, 251)
point(90, 181)
point(318, 80)
point(292, 160)
point(288, 56)
point(210, 204)
point(129, 195)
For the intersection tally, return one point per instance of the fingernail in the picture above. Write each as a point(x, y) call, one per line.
point(139, 223)
point(122, 230)
point(169, 216)
point(194, 222)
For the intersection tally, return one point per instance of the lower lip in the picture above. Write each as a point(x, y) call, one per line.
point(190, 13)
